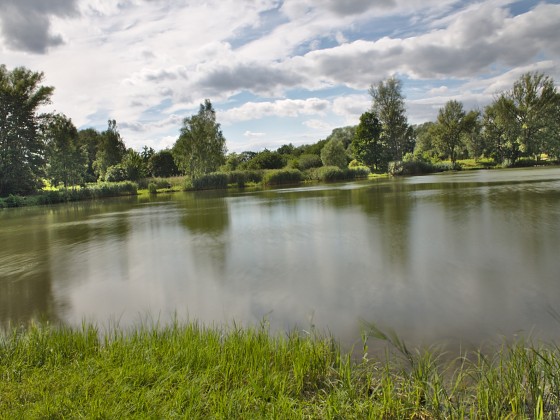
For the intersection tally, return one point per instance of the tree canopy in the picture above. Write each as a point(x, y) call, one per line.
point(201, 146)
point(21, 147)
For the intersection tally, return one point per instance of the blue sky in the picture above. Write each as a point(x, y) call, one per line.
point(276, 71)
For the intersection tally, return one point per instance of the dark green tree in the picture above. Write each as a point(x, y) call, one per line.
point(388, 104)
point(266, 159)
point(448, 132)
point(90, 139)
point(201, 146)
point(162, 164)
point(134, 165)
point(367, 146)
point(535, 100)
point(66, 157)
point(21, 147)
point(111, 150)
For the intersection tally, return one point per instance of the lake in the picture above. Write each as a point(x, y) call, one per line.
point(449, 258)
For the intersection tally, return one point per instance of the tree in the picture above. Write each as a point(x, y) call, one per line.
point(500, 131)
point(452, 123)
point(111, 150)
point(266, 160)
point(534, 98)
point(134, 165)
point(66, 157)
point(367, 146)
point(388, 105)
point(344, 135)
point(90, 139)
point(334, 154)
point(201, 146)
point(21, 146)
point(161, 164)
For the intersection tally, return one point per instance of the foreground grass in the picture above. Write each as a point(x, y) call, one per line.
point(188, 371)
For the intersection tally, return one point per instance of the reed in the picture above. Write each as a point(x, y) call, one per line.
point(190, 371)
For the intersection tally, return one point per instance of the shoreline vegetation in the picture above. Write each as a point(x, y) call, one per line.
point(249, 179)
point(190, 371)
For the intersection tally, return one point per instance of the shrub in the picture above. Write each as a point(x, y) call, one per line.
point(329, 174)
point(116, 173)
point(308, 161)
point(240, 178)
point(152, 188)
point(359, 171)
point(282, 177)
point(212, 181)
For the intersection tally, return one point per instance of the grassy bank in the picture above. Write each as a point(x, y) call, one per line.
point(89, 192)
point(188, 371)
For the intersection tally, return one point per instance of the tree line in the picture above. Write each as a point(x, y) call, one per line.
point(521, 123)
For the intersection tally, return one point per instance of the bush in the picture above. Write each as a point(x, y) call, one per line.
point(152, 188)
point(212, 181)
point(116, 173)
point(359, 171)
point(308, 161)
point(12, 201)
point(240, 178)
point(282, 177)
point(329, 174)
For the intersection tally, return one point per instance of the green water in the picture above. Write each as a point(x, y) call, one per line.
point(461, 257)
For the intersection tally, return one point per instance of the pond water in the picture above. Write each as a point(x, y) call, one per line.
point(461, 258)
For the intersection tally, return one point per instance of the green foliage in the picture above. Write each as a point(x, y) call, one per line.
point(21, 147)
point(367, 146)
point(190, 371)
point(134, 165)
point(343, 134)
point(308, 161)
point(212, 181)
point(266, 160)
point(90, 140)
point(335, 174)
point(152, 188)
point(111, 150)
point(116, 173)
point(334, 154)
point(388, 105)
point(67, 159)
point(242, 178)
point(162, 164)
point(448, 132)
point(64, 195)
point(201, 146)
point(282, 177)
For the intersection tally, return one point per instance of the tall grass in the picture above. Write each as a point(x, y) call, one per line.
point(190, 371)
point(88, 192)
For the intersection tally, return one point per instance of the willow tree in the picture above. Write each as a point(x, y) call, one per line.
point(21, 146)
point(201, 146)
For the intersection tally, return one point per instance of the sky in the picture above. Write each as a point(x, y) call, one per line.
point(276, 71)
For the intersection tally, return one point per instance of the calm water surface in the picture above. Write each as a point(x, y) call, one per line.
point(462, 257)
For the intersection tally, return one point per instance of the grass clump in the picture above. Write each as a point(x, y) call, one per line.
point(189, 371)
point(65, 195)
point(282, 177)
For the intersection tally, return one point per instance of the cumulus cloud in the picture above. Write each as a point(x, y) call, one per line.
point(278, 108)
point(26, 24)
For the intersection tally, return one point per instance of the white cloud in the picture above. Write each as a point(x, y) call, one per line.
point(145, 63)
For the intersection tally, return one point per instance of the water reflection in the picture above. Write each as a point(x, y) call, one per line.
point(446, 257)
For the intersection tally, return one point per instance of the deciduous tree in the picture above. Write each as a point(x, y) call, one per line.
point(367, 146)
point(388, 105)
point(201, 146)
point(21, 147)
point(66, 157)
